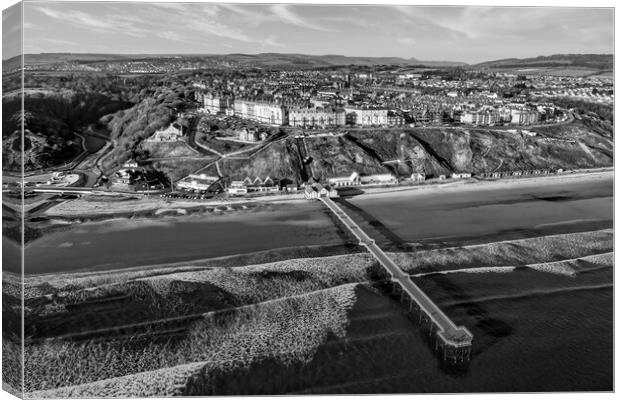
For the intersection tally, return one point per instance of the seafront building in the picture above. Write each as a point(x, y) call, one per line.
point(263, 111)
point(197, 182)
point(351, 180)
point(316, 190)
point(378, 179)
point(481, 117)
point(215, 103)
point(514, 115)
point(524, 116)
point(357, 179)
point(237, 187)
point(316, 117)
point(249, 185)
point(366, 116)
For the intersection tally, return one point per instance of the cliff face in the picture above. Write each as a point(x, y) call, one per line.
point(582, 143)
point(279, 160)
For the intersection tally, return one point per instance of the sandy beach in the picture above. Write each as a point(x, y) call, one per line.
point(474, 184)
point(85, 206)
point(158, 205)
point(487, 210)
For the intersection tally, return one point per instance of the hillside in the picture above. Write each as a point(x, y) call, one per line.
point(596, 61)
point(249, 60)
point(435, 151)
point(328, 59)
point(584, 143)
point(50, 125)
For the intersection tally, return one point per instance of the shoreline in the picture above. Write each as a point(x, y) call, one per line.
point(59, 223)
point(487, 184)
point(66, 215)
point(81, 208)
point(101, 210)
point(277, 254)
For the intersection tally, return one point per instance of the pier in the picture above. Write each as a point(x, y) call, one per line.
point(453, 343)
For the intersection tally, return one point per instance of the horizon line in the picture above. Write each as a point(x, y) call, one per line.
point(303, 54)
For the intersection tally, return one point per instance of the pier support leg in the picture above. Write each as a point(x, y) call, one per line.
point(394, 288)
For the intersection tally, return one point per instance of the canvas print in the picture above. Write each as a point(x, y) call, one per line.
point(204, 199)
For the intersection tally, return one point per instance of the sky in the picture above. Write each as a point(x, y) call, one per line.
point(11, 31)
point(468, 34)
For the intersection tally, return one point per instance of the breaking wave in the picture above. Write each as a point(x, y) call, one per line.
point(479, 270)
point(528, 294)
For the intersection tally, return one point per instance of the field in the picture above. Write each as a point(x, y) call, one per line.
point(203, 327)
point(221, 146)
point(169, 149)
point(180, 168)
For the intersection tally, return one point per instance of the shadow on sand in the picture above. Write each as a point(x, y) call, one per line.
point(486, 329)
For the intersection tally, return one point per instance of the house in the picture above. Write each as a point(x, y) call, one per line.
point(317, 190)
point(172, 133)
point(350, 180)
point(248, 135)
point(237, 187)
point(124, 177)
point(418, 177)
point(461, 175)
point(249, 185)
point(131, 164)
point(262, 185)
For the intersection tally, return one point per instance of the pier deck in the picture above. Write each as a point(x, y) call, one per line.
point(451, 337)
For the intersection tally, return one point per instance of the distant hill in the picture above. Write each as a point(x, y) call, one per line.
point(258, 60)
point(46, 58)
point(596, 61)
point(266, 59)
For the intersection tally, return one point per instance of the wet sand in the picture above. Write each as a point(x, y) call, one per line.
point(127, 243)
point(487, 211)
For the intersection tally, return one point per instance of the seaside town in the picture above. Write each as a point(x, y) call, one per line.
point(284, 199)
point(250, 108)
